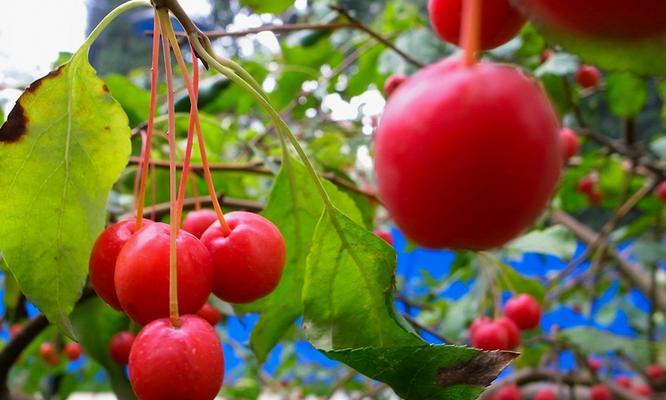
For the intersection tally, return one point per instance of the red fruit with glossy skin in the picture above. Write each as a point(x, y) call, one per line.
point(500, 22)
point(73, 351)
point(177, 363)
point(603, 19)
point(393, 82)
point(600, 392)
point(587, 185)
point(546, 394)
point(595, 198)
point(210, 314)
point(594, 364)
point(460, 181)
point(510, 392)
point(142, 273)
point(624, 381)
point(661, 192)
point(491, 336)
point(196, 222)
point(643, 390)
point(524, 310)
point(588, 77)
point(570, 143)
point(384, 235)
point(248, 263)
point(48, 353)
point(120, 347)
point(655, 372)
point(512, 332)
point(477, 323)
point(102, 264)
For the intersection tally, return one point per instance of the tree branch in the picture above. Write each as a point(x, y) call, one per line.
point(634, 273)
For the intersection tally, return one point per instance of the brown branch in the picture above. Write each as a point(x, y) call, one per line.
point(258, 168)
point(12, 352)
point(536, 375)
point(273, 28)
point(633, 272)
point(363, 27)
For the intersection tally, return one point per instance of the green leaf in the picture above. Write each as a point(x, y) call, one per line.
point(63, 146)
point(134, 100)
point(95, 324)
point(428, 371)
point(272, 6)
point(516, 283)
point(350, 316)
point(597, 341)
point(555, 240)
point(626, 94)
point(2, 115)
point(294, 207)
point(349, 283)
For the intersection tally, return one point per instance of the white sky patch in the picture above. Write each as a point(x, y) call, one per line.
point(370, 103)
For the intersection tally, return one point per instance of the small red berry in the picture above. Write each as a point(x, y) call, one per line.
point(512, 332)
point(120, 346)
point(594, 364)
point(142, 273)
point(196, 222)
point(510, 392)
point(393, 83)
point(570, 142)
point(248, 261)
point(48, 353)
point(655, 372)
point(501, 22)
point(624, 381)
point(643, 390)
point(524, 310)
point(102, 264)
point(661, 192)
point(210, 314)
point(546, 55)
point(73, 351)
point(595, 198)
point(588, 77)
point(546, 394)
point(385, 235)
point(491, 336)
point(185, 362)
point(477, 323)
point(587, 184)
point(600, 392)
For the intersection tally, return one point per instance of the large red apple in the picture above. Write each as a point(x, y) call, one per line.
point(500, 21)
point(603, 19)
point(467, 157)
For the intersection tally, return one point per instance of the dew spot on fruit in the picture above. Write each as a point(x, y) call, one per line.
point(479, 371)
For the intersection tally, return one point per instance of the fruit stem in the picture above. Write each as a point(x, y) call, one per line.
point(145, 158)
point(110, 17)
point(190, 141)
point(173, 267)
point(471, 31)
point(282, 128)
point(169, 33)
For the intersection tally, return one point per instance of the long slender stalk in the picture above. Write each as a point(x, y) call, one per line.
point(173, 267)
point(171, 36)
point(281, 126)
point(145, 161)
point(471, 31)
point(190, 141)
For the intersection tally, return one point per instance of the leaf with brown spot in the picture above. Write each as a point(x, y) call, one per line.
point(349, 315)
point(58, 165)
